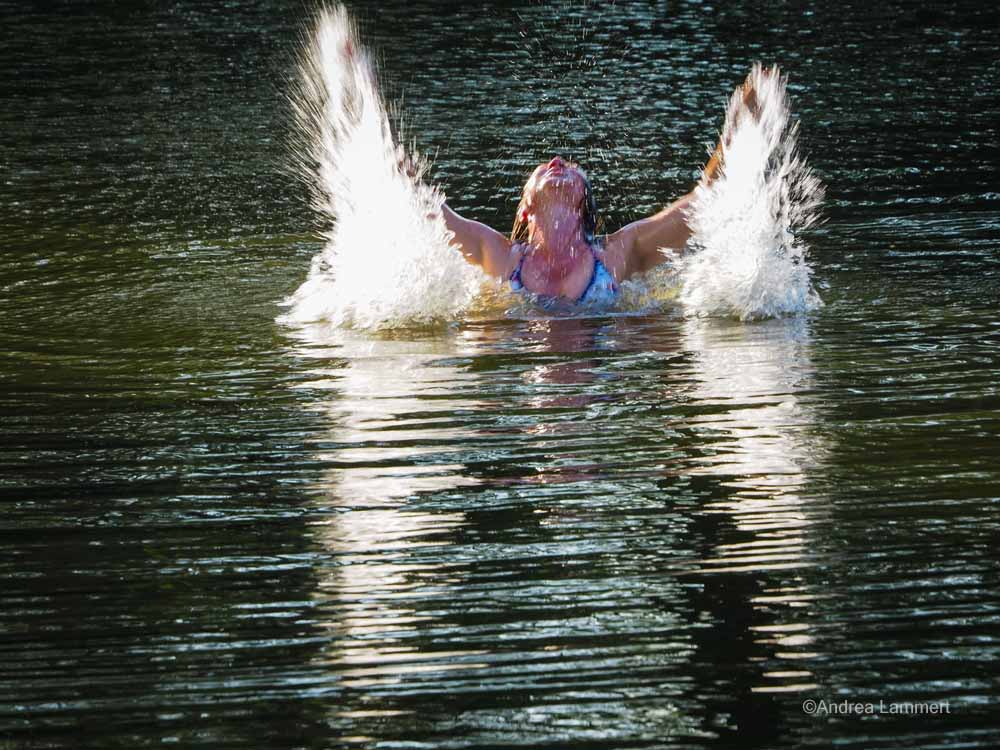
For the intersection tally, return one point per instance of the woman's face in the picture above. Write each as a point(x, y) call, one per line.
point(558, 180)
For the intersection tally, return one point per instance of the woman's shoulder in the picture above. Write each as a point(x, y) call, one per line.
point(611, 251)
point(500, 255)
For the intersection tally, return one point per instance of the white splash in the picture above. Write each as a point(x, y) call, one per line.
point(387, 262)
point(748, 262)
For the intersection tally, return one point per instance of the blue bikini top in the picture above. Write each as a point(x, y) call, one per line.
point(601, 290)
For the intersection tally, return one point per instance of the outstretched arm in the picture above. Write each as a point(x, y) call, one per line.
point(481, 245)
point(636, 247)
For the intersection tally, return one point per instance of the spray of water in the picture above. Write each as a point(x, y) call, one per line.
point(747, 261)
point(387, 262)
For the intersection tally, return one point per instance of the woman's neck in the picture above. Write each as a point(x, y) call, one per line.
point(556, 237)
point(559, 260)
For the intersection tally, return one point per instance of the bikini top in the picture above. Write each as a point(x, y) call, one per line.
point(601, 291)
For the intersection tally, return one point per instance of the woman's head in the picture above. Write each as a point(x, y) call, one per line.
point(557, 182)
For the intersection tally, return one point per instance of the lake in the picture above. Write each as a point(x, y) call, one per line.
point(536, 531)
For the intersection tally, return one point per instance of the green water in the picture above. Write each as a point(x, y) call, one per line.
point(604, 532)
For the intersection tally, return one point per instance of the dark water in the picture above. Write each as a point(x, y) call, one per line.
point(605, 532)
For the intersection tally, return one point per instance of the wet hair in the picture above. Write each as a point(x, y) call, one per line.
point(519, 233)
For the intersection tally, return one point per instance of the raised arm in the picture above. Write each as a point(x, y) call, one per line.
point(481, 245)
point(636, 247)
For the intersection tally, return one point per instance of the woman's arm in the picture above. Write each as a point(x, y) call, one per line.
point(480, 244)
point(635, 248)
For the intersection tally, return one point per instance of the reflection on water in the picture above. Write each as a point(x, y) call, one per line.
point(608, 532)
point(393, 413)
point(762, 437)
point(764, 443)
point(599, 500)
point(443, 577)
point(392, 438)
point(558, 394)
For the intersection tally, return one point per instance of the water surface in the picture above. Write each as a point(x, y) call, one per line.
point(608, 532)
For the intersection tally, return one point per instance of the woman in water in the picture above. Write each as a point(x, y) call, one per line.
point(554, 251)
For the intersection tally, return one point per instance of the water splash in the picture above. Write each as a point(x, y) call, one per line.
point(387, 262)
point(748, 262)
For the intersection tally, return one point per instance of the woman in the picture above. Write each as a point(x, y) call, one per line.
point(553, 251)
